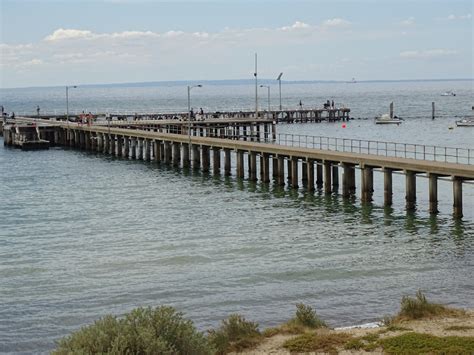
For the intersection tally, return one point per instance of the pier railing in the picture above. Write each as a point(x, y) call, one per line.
point(388, 149)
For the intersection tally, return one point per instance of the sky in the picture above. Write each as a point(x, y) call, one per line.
point(49, 43)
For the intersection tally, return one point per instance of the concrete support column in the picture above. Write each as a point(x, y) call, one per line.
point(304, 173)
point(280, 167)
point(457, 197)
point(319, 175)
point(265, 166)
point(186, 160)
point(196, 157)
point(327, 177)
point(367, 182)
point(275, 166)
point(410, 195)
point(147, 153)
point(240, 164)
point(100, 142)
point(433, 192)
point(140, 149)
point(105, 143)
point(120, 140)
point(346, 179)
point(294, 172)
point(288, 170)
point(126, 147)
point(133, 147)
point(216, 160)
point(352, 181)
point(227, 162)
point(87, 140)
point(176, 153)
point(205, 158)
point(167, 151)
point(335, 177)
point(253, 166)
point(310, 174)
point(157, 152)
point(387, 187)
point(111, 144)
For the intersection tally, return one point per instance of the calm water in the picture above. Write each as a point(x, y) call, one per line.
point(83, 235)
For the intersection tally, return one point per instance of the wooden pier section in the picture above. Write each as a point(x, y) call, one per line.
point(254, 155)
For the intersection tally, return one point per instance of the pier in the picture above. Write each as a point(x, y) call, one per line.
point(251, 149)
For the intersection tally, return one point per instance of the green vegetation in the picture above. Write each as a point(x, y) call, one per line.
point(304, 320)
point(461, 328)
point(327, 342)
point(416, 343)
point(419, 307)
point(142, 331)
point(235, 334)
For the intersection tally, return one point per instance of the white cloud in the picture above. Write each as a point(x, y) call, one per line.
point(453, 17)
point(62, 34)
point(336, 22)
point(426, 54)
point(408, 22)
point(296, 26)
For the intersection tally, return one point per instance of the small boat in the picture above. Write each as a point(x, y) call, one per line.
point(386, 119)
point(465, 122)
point(448, 93)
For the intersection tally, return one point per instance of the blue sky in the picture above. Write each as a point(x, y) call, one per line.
point(60, 42)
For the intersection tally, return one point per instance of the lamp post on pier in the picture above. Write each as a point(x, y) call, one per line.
point(67, 101)
point(268, 91)
point(279, 85)
point(189, 111)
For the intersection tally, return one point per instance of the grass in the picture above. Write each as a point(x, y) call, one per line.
point(416, 343)
point(305, 320)
point(419, 307)
point(326, 342)
point(235, 334)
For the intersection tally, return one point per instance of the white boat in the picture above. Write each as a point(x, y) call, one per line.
point(448, 93)
point(386, 119)
point(465, 122)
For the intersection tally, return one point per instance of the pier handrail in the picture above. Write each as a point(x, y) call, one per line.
point(384, 148)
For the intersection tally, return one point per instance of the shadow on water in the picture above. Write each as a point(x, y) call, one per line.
point(351, 209)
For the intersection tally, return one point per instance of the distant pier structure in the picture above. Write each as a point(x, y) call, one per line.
point(250, 148)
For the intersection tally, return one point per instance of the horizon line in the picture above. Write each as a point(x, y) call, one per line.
point(242, 81)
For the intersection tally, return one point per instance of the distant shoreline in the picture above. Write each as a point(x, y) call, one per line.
point(238, 82)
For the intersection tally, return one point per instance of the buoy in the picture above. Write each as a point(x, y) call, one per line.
point(343, 125)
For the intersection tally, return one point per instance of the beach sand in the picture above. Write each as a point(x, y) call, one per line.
point(434, 326)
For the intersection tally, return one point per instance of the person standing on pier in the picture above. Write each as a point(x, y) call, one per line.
point(37, 110)
point(332, 104)
point(3, 110)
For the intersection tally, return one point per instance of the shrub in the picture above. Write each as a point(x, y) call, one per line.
point(235, 334)
point(416, 343)
point(419, 307)
point(159, 330)
point(308, 342)
point(306, 316)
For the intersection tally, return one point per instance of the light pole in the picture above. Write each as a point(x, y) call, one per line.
point(189, 113)
point(67, 101)
point(279, 85)
point(268, 90)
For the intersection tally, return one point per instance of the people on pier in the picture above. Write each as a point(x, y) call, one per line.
point(332, 104)
point(201, 111)
point(37, 110)
point(12, 115)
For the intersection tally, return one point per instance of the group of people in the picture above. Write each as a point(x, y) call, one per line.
point(5, 114)
point(329, 104)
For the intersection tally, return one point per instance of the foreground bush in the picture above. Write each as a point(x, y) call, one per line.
point(311, 342)
point(235, 334)
point(159, 330)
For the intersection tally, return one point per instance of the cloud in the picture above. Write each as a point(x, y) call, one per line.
point(64, 34)
point(336, 22)
point(426, 54)
point(296, 26)
point(453, 17)
point(408, 22)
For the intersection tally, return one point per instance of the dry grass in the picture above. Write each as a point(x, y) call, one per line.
point(461, 328)
point(419, 307)
point(326, 342)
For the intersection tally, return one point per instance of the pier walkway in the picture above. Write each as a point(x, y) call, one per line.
point(260, 157)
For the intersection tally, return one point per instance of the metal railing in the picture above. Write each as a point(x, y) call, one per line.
point(388, 149)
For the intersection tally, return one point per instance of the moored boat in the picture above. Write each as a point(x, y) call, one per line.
point(386, 119)
point(465, 122)
point(448, 93)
